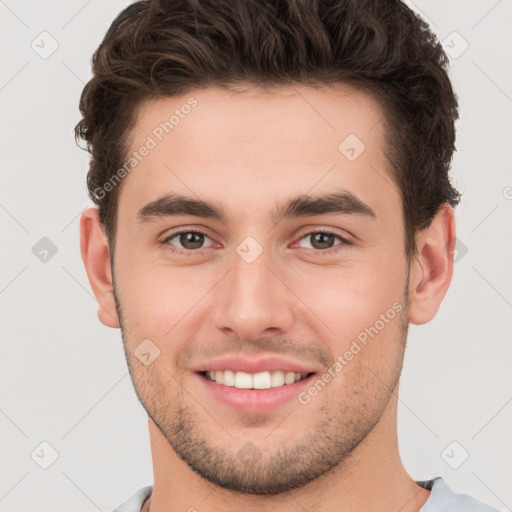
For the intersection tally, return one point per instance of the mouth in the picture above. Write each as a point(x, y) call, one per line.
point(260, 380)
point(254, 393)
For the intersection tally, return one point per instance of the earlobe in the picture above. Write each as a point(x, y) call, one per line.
point(96, 257)
point(432, 269)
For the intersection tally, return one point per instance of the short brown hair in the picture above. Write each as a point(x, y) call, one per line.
point(168, 47)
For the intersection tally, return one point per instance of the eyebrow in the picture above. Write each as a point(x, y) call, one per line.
point(340, 203)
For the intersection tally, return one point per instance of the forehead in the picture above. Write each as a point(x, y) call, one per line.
point(254, 145)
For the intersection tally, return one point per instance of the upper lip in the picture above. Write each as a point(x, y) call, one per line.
point(239, 363)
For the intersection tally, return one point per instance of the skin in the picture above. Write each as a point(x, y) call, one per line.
point(251, 151)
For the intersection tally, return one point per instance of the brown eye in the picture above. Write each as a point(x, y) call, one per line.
point(191, 240)
point(187, 241)
point(325, 241)
point(322, 240)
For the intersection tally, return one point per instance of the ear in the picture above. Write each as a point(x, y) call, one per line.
point(432, 268)
point(96, 257)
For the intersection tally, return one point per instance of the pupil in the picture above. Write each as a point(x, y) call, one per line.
point(322, 240)
point(191, 240)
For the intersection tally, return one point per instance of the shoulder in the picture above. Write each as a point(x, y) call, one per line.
point(134, 503)
point(443, 499)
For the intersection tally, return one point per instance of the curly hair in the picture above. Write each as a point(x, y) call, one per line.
point(160, 48)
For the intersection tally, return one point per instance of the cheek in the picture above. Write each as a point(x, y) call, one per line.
point(362, 304)
point(348, 299)
point(157, 300)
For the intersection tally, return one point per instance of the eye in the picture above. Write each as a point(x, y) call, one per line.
point(324, 241)
point(193, 241)
point(188, 241)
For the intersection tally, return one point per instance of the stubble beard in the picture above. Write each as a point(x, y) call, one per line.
point(337, 431)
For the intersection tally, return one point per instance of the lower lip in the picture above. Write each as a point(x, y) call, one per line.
point(254, 401)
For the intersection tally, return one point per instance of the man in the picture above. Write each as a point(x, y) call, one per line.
point(274, 209)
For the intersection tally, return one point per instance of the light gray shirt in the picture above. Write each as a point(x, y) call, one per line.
point(441, 499)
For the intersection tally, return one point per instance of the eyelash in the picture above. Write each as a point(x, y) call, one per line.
point(334, 250)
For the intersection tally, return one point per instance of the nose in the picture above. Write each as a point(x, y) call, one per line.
point(253, 300)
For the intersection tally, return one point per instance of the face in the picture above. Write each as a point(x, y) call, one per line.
point(260, 243)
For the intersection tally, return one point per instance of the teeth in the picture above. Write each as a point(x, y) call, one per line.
point(289, 378)
point(262, 380)
point(228, 379)
point(243, 380)
point(277, 379)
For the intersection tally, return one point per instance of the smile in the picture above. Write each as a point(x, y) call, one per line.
point(260, 380)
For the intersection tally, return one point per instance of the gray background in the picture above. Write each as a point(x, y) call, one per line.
point(63, 374)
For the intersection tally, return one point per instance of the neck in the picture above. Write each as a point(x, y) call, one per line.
point(371, 476)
